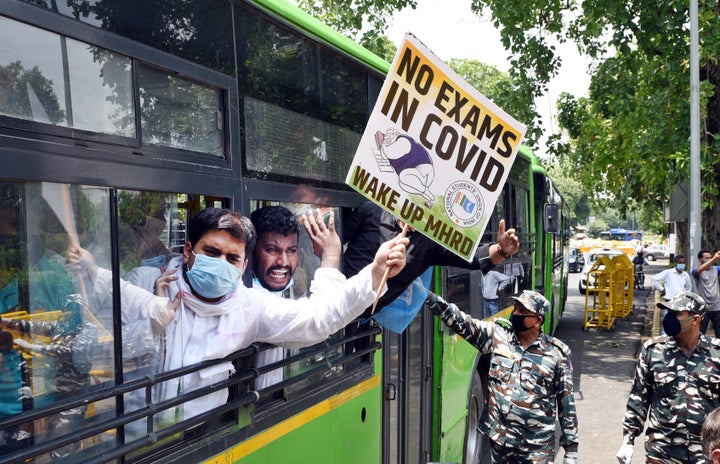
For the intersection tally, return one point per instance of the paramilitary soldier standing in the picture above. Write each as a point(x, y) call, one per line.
point(677, 384)
point(530, 381)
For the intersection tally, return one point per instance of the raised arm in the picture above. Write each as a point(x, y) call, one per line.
point(325, 240)
point(477, 333)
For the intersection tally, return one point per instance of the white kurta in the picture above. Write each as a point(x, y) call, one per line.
point(247, 316)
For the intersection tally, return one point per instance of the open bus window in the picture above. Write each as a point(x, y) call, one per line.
point(64, 334)
point(313, 363)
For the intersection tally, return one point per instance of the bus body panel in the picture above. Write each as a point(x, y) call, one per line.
point(328, 431)
point(456, 367)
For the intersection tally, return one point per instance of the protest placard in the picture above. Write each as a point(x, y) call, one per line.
point(436, 152)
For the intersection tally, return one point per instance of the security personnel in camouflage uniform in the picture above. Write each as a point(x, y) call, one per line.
point(530, 381)
point(677, 383)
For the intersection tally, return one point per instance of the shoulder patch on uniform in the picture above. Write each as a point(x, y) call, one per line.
point(560, 345)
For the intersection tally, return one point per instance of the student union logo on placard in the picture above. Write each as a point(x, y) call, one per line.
point(464, 204)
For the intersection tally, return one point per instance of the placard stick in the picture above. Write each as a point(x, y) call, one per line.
point(385, 275)
point(69, 222)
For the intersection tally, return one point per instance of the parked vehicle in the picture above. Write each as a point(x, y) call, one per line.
point(593, 256)
point(654, 252)
point(576, 260)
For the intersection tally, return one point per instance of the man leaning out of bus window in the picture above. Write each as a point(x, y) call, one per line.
point(210, 315)
point(530, 381)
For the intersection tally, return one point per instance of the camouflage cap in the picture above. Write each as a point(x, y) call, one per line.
point(685, 301)
point(533, 301)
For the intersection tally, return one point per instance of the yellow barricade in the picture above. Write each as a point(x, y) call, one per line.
point(609, 291)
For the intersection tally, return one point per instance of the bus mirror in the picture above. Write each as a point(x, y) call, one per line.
point(550, 220)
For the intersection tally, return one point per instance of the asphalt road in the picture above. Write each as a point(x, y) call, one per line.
point(604, 363)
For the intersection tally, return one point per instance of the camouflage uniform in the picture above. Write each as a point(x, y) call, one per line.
point(675, 393)
point(527, 388)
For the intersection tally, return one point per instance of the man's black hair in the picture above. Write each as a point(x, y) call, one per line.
point(275, 219)
point(237, 225)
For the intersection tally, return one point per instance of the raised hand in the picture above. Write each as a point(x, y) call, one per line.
point(80, 260)
point(508, 241)
point(163, 282)
point(390, 255)
point(326, 242)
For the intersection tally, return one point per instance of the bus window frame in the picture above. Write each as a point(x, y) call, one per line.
point(96, 144)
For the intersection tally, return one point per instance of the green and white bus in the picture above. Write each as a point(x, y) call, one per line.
point(120, 120)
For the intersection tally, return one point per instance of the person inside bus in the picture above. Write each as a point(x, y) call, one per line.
point(530, 381)
point(493, 283)
point(36, 278)
point(208, 315)
point(68, 357)
point(15, 394)
point(369, 225)
point(275, 259)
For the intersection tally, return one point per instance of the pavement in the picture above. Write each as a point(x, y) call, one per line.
point(603, 368)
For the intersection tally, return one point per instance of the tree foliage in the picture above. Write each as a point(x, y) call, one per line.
point(497, 85)
point(362, 20)
point(629, 138)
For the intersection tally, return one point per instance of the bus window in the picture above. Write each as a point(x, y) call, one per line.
point(66, 334)
point(302, 266)
point(39, 70)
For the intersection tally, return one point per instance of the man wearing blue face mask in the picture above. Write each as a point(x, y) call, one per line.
point(677, 383)
point(217, 315)
point(671, 282)
point(210, 314)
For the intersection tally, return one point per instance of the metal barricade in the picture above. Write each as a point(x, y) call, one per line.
point(609, 291)
point(624, 286)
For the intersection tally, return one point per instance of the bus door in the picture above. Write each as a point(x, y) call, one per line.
point(407, 377)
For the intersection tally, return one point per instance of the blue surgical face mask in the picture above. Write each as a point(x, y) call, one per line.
point(212, 277)
point(680, 267)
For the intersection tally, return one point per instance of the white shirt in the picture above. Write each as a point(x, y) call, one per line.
point(672, 281)
point(271, 355)
point(247, 316)
point(492, 282)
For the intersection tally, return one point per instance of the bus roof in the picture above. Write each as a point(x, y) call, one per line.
point(316, 29)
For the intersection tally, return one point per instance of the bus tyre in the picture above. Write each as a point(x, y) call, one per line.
point(477, 448)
